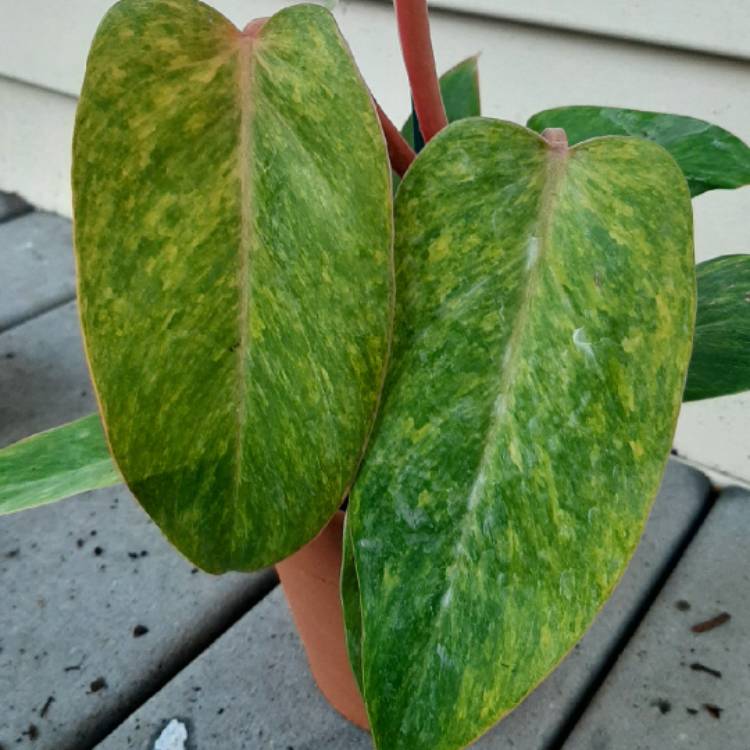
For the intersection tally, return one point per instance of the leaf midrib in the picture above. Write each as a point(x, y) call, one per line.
point(245, 64)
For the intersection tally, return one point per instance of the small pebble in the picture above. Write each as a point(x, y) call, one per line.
point(173, 737)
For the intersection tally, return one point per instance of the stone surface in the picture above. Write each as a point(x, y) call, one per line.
point(12, 205)
point(36, 266)
point(252, 688)
point(673, 688)
point(98, 610)
point(44, 381)
point(78, 578)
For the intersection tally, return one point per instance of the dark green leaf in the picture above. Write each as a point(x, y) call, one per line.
point(55, 464)
point(710, 157)
point(233, 231)
point(351, 606)
point(720, 364)
point(544, 320)
point(460, 89)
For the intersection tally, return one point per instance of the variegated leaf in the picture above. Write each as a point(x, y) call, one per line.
point(55, 464)
point(710, 157)
point(544, 320)
point(720, 364)
point(233, 232)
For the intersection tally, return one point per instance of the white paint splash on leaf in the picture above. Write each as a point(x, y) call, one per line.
point(582, 343)
point(173, 737)
point(532, 251)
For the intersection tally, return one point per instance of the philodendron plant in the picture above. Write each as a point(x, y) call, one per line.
point(489, 367)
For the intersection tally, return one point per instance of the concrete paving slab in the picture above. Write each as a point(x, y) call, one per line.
point(252, 690)
point(683, 681)
point(12, 205)
point(97, 610)
point(44, 380)
point(36, 266)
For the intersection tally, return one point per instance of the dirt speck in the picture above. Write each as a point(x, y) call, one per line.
point(696, 666)
point(710, 624)
point(139, 630)
point(713, 710)
point(32, 732)
point(98, 684)
point(662, 704)
point(682, 605)
point(46, 706)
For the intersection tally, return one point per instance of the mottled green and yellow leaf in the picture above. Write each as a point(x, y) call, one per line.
point(544, 318)
point(233, 228)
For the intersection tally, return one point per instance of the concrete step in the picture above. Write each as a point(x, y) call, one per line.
point(683, 681)
point(252, 689)
point(44, 380)
point(37, 266)
point(97, 610)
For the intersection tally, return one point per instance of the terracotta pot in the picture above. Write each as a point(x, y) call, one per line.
point(310, 579)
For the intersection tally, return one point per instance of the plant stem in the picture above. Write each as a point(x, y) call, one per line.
point(399, 151)
point(414, 32)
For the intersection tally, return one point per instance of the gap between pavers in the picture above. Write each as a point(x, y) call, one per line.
point(80, 580)
point(252, 690)
point(673, 688)
point(36, 266)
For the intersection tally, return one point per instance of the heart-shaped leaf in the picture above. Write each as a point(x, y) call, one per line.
point(543, 328)
point(233, 233)
point(460, 89)
point(720, 364)
point(55, 464)
point(710, 157)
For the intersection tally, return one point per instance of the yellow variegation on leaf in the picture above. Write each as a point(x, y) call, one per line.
point(544, 318)
point(233, 231)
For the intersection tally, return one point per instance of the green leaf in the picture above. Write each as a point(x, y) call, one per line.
point(234, 240)
point(710, 157)
point(720, 364)
point(55, 464)
point(351, 607)
point(543, 329)
point(460, 89)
